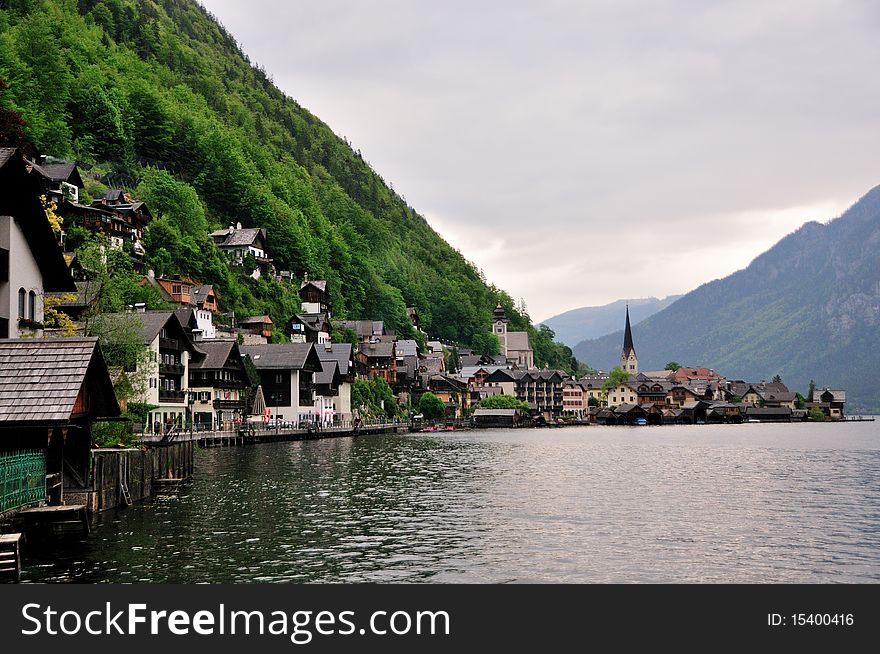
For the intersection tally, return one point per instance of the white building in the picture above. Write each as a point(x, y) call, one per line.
point(287, 376)
point(31, 263)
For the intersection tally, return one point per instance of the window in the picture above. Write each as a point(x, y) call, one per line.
point(4, 265)
point(4, 328)
point(279, 378)
point(22, 294)
point(175, 289)
point(32, 305)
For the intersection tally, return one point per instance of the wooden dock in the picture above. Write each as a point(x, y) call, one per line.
point(254, 436)
point(10, 555)
point(54, 520)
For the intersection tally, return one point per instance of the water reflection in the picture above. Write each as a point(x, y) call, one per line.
point(690, 504)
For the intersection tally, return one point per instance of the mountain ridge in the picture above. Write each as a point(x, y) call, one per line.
point(584, 323)
point(807, 308)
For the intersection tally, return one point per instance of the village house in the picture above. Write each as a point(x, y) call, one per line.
point(201, 298)
point(333, 383)
point(830, 401)
point(313, 323)
point(51, 391)
point(167, 371)
point(238, 243)
point(255, 330)
point(542, 391)
point(60, 179)
point(366, 330)
point(378, 360)
point(217, 383)
point(575, 398)
point(454, 393)
point(31, 263)
point(287, 373)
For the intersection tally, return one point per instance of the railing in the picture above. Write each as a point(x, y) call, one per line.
point(228, 404)
point(171, 396)
point(171, 368)
point(22, 478)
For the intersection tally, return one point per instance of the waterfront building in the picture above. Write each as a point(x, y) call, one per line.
point(515, 346)
point(454, 393)
point(31, 262)
point(333, 383)
point(51, 391)
point(575, 398)
point(625, 393)
point(629, 362)
point(831, 402)
point(287, 372)
point(217, 385)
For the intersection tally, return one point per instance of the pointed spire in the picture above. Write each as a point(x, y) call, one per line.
point(627, 336)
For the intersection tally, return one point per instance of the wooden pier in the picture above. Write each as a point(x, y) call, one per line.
point(54, 520)
point(10, 555)
point(248, 436)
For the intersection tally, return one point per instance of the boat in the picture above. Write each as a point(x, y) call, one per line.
point(436, 428)
point(640, 422)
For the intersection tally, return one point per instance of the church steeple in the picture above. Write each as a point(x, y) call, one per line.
point(628, 360)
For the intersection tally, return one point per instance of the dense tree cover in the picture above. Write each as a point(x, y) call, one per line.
point(502, 402)
point(373, 398)
point(160, 94)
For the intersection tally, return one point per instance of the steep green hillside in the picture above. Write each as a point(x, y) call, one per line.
point(585, 323)
point(157, 95)
point(808, 308)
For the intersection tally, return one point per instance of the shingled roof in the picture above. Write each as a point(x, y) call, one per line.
point(41, 380)
point(217, 353)
point(282, 356)
point(238, 237)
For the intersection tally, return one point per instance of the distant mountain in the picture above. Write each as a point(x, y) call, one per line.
point(808, 308)
point(585, 323)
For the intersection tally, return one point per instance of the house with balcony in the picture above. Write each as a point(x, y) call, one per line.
point(241, 244)
point(217, 385)
point(167, 371)
point(287, 377)
point(31, 262)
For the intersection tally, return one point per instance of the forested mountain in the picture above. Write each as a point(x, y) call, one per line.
point(155, 96)
point(586, 323)
point(808, 308)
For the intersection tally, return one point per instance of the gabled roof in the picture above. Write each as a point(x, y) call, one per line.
point(320, 284)
point(282, 356)
point(518, 341)
point(838, 395)
point(151, 323)
point(407, 348)
point(255, 320)
point(40, 380)
point(329, 373)
point(378, 350)
point(217, 353)
point(232, 237)
point(340, 353)
point(60, 172)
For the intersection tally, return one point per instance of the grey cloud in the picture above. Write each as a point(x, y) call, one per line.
point(571, 129)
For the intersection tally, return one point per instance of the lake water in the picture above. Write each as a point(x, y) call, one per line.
point(738, 503)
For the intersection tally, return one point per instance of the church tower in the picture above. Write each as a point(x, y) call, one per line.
point(628, 360)
point(499, 327)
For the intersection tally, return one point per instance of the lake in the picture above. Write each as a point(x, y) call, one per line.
point(727, 503)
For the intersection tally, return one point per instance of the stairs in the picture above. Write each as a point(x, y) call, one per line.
point(10, 556)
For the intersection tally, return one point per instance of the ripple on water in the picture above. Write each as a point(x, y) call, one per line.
point(796, 503)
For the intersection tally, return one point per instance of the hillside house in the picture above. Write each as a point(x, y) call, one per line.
point(239, 243)
point(31, 262)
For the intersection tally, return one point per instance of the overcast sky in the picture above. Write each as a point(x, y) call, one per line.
point(581, 152)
